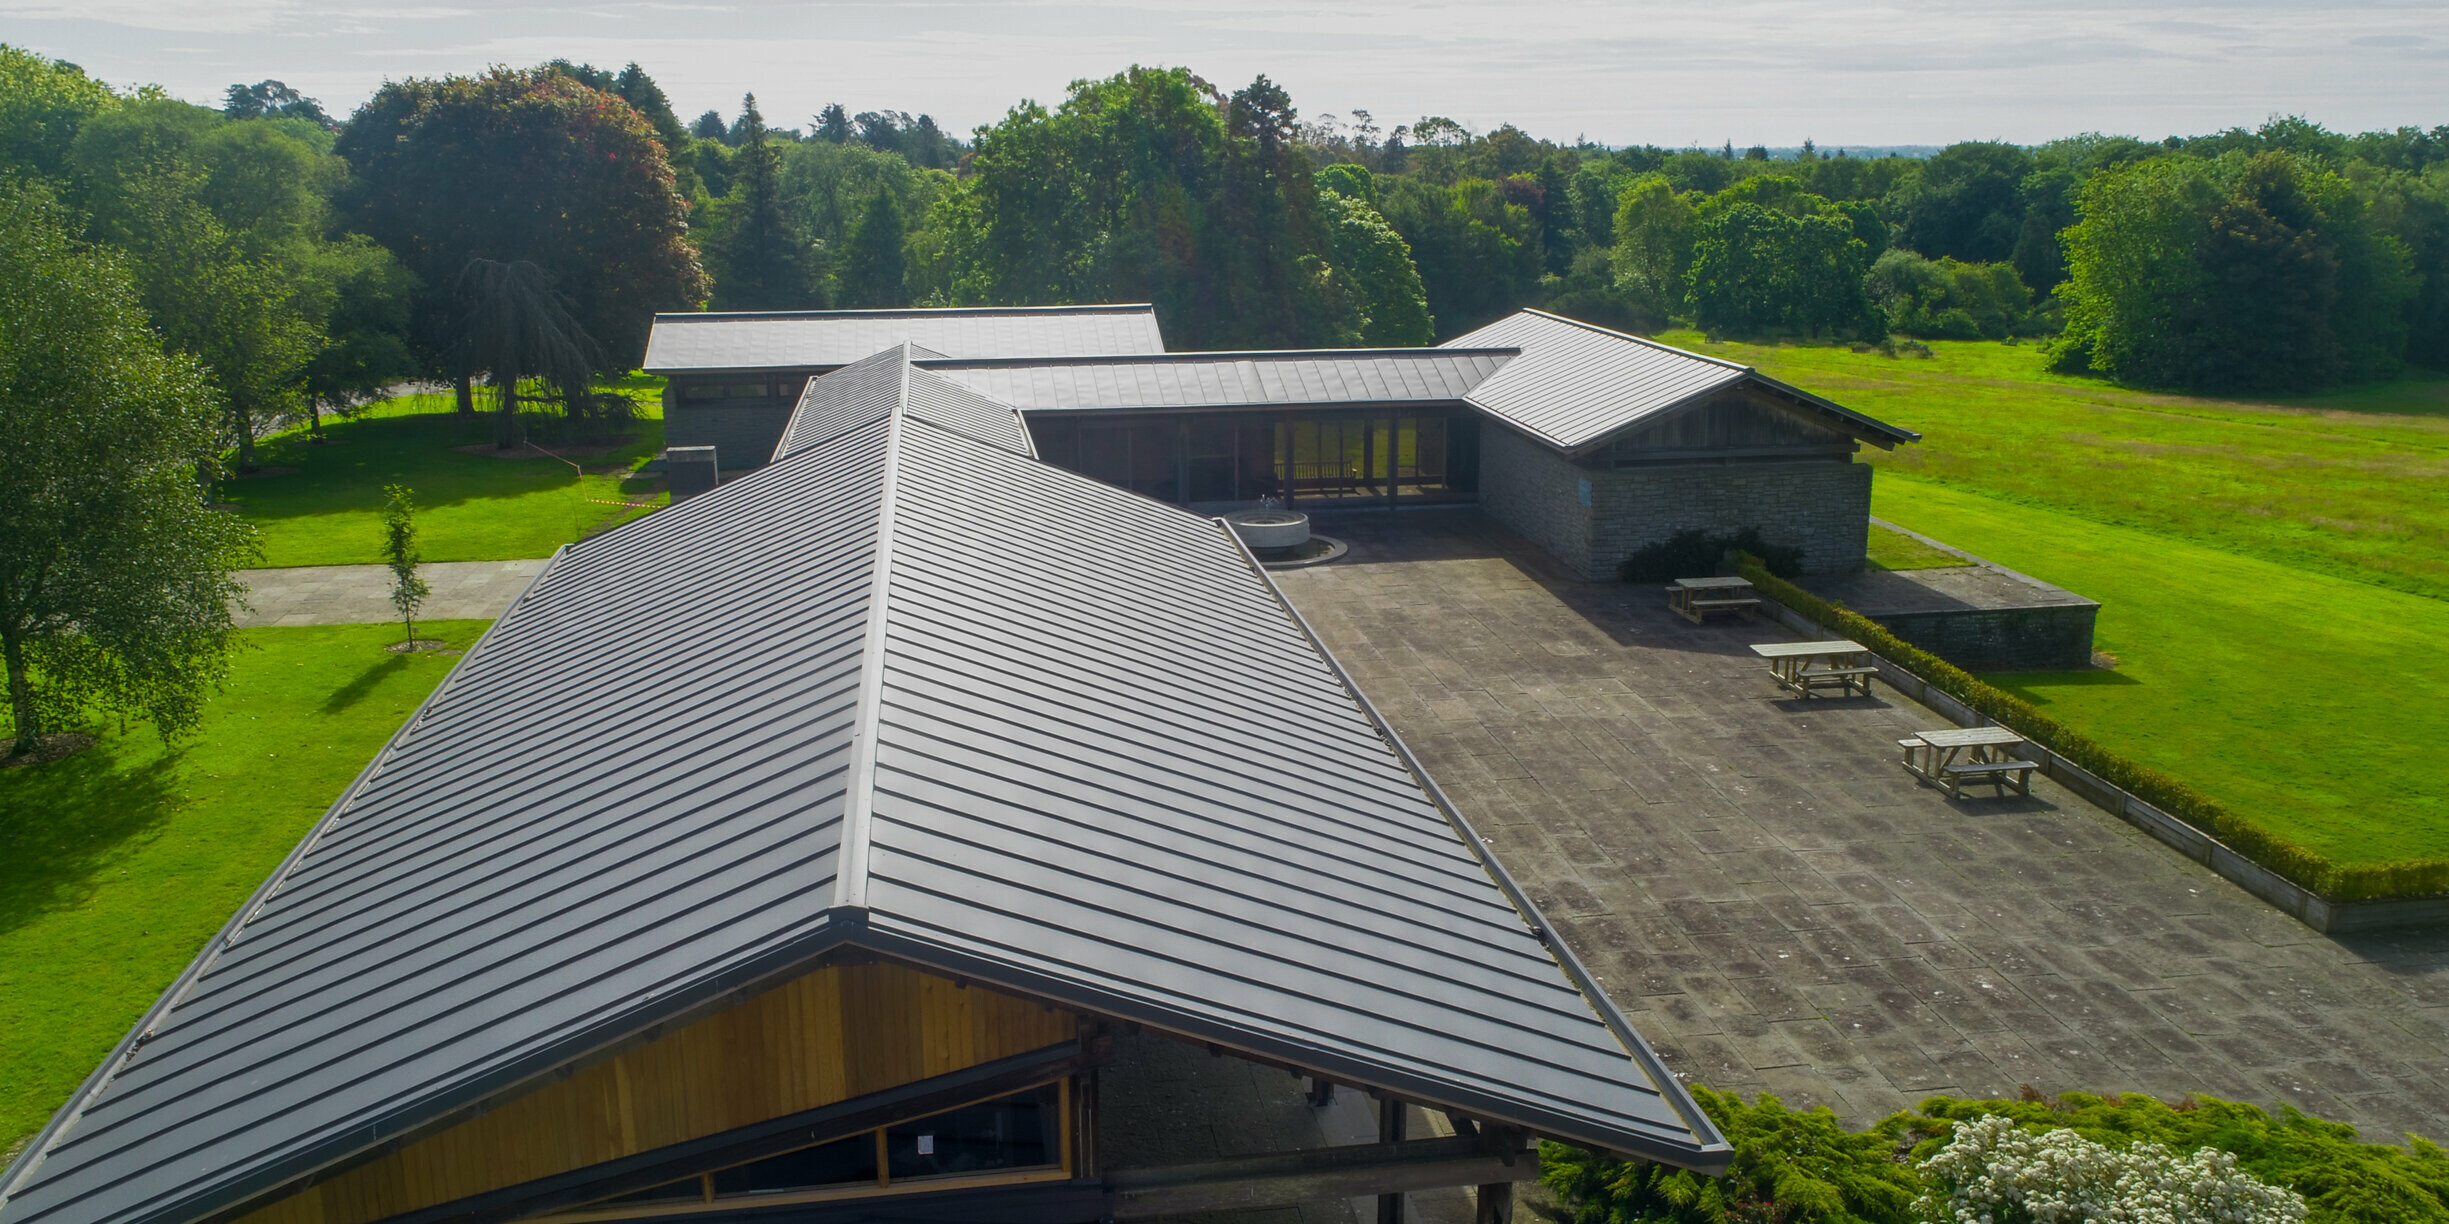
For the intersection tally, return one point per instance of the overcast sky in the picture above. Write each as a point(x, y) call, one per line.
point(1751, 71)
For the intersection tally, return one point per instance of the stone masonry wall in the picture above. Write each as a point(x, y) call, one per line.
point(1535, 491)
point(2002, 639)
point(742, 433)
point(1821, 507)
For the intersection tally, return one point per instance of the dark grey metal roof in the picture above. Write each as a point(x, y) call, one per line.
point(1577, 385)
point(823, 339)
point(1228, 380)
point(869, 390)
point(905, 690)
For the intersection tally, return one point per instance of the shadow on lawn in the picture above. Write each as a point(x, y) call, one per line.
point(67, 817)
point(419, 450)
point(366, 682)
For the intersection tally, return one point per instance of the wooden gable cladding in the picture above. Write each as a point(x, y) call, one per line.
point(1741, 420)
point(837, 1033)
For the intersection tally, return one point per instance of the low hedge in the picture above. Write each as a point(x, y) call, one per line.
point(1803, 1167)
point(2333, 880)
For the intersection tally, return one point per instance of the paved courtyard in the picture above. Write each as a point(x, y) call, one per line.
point(1780, 908)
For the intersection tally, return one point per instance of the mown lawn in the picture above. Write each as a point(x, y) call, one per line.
point(2348, 484)
point(473, 505)
point(2309, 701)
point(2274, 576)
point(116, 865)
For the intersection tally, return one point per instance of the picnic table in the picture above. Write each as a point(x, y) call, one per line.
point(1932, 756)
point(1803, 666)
point(1694, 598)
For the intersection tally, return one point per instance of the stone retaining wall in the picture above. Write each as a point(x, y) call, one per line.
point(2001, 639)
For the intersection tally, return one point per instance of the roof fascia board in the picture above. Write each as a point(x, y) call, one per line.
point(1712, 1144)
point(1328, 1064)
point(1895, 433)
point(1250, 406)
point(37, 1148)
point(584, 1049)
point(813, 368)
point(917, 312)
point(1877, 433)
point(859, 795)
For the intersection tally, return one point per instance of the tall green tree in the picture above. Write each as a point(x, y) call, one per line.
point(1967, 203)
point(1478, 253)
point(42, 105)
point(530, 165)
point(1375, 276)
point(1653, 248)
point(871, 273)
point(519, 326)
point(115, 577)
point(1756, 267)
point(759, 259)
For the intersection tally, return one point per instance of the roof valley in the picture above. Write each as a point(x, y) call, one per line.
point(859, 796)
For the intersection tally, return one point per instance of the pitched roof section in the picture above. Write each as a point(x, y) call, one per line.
point(870, 390)
point(1577, 385)
point(903, 689)
point(823, 339)
point(1226, 380)
point(625, 800)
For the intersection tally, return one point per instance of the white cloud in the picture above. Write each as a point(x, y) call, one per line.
point(1767, 71)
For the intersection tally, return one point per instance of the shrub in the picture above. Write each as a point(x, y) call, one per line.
point(1947, 300)
point(1995, 1172)
point(1690, 554)
point(1794, 1167)
point(1787, 1166)
point(2333, 880)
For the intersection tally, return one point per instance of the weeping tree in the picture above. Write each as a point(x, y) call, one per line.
point(519, 327)
point(115, 577)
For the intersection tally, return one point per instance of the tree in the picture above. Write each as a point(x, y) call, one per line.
point(42, 105)
point(1967, 203)
point(645, 97)
point(401, 554)
point(530, 165)
point(758, 257)
point(1756, 267)
point(223, 223)
point(871, 272)
point(710, 126)
point(518, 326)
point(365, 348)
point(1373, 265)
point(274, 100)
point(115, 577)
point(1653, 247)
point(833, 124)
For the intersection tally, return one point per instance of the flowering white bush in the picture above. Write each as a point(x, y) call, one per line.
point(1992, 1172)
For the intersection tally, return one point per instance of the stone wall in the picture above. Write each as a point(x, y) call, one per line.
point(2002, 639)
point(1822, 507)
point(743, 433)
point(1535, 491)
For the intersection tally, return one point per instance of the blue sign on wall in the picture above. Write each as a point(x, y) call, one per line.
point(1585, 491)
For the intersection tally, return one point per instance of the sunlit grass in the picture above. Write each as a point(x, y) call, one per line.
point(117, 864)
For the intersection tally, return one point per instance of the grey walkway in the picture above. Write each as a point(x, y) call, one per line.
point(1780, 907)
point(361, 594)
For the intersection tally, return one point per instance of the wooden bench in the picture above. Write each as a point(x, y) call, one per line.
point(1694, 598)
point(1847, 677)
point(1989, 771)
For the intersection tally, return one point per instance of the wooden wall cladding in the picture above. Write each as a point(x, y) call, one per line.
point(837, 1033)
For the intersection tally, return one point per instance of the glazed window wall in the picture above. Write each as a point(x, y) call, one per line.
point(1321, 459)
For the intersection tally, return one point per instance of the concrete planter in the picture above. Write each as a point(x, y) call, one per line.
point(1262, 530)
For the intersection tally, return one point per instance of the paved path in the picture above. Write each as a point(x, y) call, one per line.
point(1780, 907)
point(361, 594)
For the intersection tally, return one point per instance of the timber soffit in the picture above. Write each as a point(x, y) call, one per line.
point(819, 339)
point(1096, 760)
point(1578, 385)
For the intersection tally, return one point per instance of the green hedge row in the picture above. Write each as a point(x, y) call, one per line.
point(1804, 1167)
point(2310, 869)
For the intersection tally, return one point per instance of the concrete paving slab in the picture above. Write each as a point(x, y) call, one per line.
point(361, 594)
point(1761, 876)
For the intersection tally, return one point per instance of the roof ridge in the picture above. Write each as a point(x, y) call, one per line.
point(1641, 340)
point(917, 311)
point(859, 786)
point(1188, 357)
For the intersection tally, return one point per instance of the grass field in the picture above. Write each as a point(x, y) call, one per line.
point(2346, 484)
point(117, 864)
point(1894, 550)
point(321, 503)
point(2274, 576)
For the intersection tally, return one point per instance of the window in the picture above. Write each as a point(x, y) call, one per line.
point(1013, 1138)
